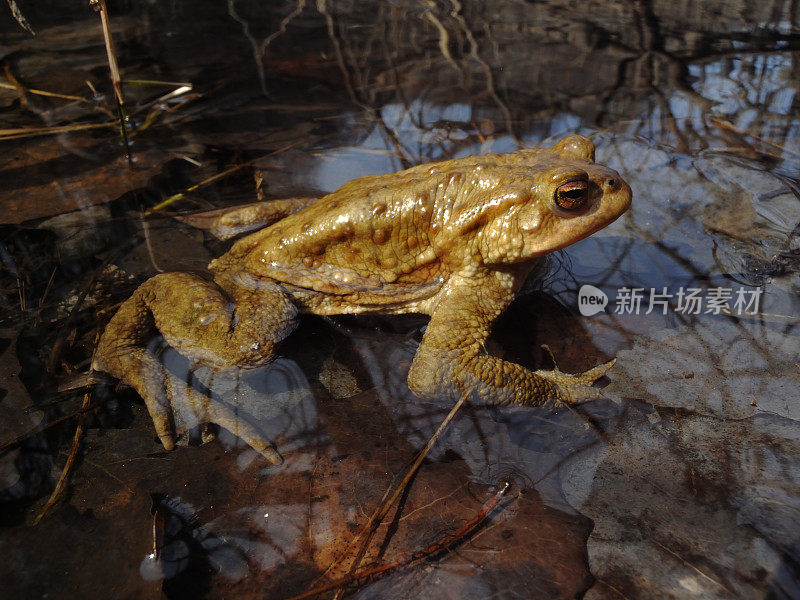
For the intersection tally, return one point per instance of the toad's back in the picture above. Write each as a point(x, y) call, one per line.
point(377, 238)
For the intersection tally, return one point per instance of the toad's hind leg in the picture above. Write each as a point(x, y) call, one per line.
point(204, 324)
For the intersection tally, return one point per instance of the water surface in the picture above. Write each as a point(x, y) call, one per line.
point(683, 480)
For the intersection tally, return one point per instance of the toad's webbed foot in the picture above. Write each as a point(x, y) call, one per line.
point(206, 326)
point(191, 405)
point(574, 387)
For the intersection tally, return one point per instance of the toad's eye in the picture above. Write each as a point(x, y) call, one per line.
point(572, 195)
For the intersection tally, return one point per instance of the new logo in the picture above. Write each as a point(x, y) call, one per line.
point(591, 300)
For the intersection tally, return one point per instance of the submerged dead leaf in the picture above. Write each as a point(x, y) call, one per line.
point(41, 179)
point(14, 401)
point(714, 514)
point(81, 233)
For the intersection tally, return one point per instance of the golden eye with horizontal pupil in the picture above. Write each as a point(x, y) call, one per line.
point(572, 195)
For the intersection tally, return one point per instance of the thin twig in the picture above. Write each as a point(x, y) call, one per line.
point(388, 500)
point(21, 438)
point(36, 92)
point(445, 543)
point(44, 297)
point(55, 497)
point(159, 111)
point(16, 85)
point(197, 186)
point(691, 566)
point(101, 468)
point(155, 82)
point(151, 254)
point(25, 132)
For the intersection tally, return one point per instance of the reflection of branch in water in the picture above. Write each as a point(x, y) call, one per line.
point(400, 150)
point(258, 53)
point(490, 85)
point(401, 95)
point(444, 41)
point(651, 61)
point(720, 123)
point(665, 77)
point(260, 50)
point(301, 4)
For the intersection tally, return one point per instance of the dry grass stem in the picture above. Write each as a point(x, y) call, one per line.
point(116, 80)
point(197, 186)
point(19, 17)
point(175, 84)
point(26, 132)
point(9, 86)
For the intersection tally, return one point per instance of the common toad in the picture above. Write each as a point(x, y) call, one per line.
point(454, 240)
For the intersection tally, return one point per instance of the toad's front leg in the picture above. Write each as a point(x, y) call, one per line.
point(205, 325)
point(453, 353)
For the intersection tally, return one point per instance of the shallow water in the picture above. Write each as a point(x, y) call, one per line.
point(682, 480)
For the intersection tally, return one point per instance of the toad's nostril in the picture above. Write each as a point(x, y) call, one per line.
point(612, 183)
